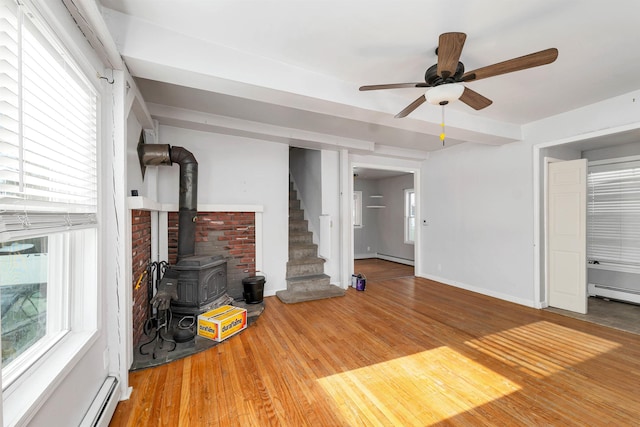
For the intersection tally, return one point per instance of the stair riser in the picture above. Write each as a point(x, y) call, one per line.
point(296, 214)
point(305, 269)
point(298, 225)
point(301, 237)
point(308, 285)
point(299, 253)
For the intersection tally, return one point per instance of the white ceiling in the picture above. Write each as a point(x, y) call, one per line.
point(290, 70)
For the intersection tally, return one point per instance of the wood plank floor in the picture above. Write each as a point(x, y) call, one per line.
point(406, 352)
point(376, 269)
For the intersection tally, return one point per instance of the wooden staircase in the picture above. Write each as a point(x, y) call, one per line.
point(306, 280)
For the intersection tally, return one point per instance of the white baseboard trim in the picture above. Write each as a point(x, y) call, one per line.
point(398, 260)
point(385, 257)
point(483, 291)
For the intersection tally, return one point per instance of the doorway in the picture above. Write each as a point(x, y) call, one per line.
point(385, 236)
point(597, 146)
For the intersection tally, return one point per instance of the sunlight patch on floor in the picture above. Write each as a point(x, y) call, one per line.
point(542, 348)
point(415, 390)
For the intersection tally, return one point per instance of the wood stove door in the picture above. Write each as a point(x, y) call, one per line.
point(215, 283)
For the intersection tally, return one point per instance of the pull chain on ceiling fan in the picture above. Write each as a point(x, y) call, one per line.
point(446, 78)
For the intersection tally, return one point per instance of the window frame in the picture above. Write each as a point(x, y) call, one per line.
point(408, 215)
point(24, 394)
point(357, 209)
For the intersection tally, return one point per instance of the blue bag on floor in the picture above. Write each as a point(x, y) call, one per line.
point(358, 281)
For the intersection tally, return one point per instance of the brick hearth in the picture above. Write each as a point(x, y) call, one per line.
point(230, 234)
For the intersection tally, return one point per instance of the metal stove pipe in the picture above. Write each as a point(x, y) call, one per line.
point(164, 154)
point(188, 201)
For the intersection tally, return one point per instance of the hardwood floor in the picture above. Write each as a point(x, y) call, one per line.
point(405, 352)
point(377, 269)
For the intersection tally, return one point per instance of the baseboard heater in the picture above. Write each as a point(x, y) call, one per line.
point(613, 292)
point(392, 258)
point(104, 405)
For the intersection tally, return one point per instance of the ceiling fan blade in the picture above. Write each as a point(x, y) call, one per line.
point(449, 50)
point(516, 64)
point(393, 86)
point(409, 108)
point(474, 100)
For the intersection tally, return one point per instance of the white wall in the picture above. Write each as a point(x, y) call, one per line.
point(477, 204)
point(365, 238)
point(391, 218)
point(483, 207)
point(330, 164)
point(600, 118)
point(134, 172)
point(234, 170)
point(616, 151)
point(305, 167)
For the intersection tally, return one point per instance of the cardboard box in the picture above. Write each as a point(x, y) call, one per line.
point(222, 322)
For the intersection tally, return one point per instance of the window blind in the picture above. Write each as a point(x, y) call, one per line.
point(48, 123)
point(613, 213)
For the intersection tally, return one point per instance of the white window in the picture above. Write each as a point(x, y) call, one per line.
point(409, 216)
point(48, 199)
point(613, 212)
point(357, 208)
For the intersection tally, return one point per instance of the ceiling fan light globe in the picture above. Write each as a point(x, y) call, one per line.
point(445, 93)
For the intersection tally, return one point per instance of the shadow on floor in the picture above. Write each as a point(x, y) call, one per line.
point(605, 312)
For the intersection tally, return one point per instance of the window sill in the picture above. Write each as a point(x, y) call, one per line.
point(22, 399)
point(615, 267)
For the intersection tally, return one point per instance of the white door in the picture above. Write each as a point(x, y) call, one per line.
point(567, 216)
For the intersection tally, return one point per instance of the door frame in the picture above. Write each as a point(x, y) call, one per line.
point(348, 257)
point(545, 223)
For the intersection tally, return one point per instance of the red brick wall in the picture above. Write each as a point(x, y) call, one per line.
point(231, 234)
point(141, 248)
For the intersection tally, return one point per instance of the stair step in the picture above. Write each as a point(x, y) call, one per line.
point(307, 283)
point(298, 224)
point(302, 250)
point(300, 237)
point(305, 267)
point(319, 292)
point(293, 195)
point(294, 204)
